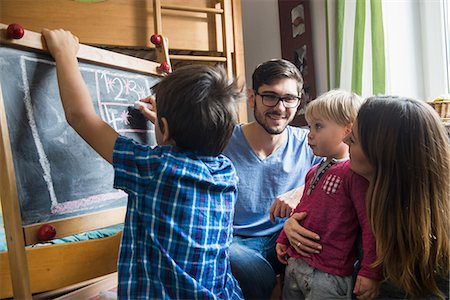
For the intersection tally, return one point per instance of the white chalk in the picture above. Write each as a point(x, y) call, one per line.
point(138, 104)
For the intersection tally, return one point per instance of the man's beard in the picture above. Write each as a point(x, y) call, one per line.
point(261, 121)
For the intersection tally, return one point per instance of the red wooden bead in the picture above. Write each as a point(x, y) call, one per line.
point(164, 67)
point(15, 31)
point(46, 232)
point(156, 39)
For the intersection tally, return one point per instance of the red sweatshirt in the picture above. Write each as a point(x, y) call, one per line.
point(336, 210)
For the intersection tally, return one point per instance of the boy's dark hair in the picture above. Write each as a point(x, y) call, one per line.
point(200, 105)
point(271, 70)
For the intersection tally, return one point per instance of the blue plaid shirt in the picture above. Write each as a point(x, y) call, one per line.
point(178, 226)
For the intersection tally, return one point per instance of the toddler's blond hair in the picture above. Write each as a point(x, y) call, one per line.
point(336, 105)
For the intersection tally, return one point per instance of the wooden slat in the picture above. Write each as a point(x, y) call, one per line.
point(55, 266)
point(78, 224)
point(157, 16)
point(198, 58)
point(192, 9)
point(67, 290)
point(87, 53)
point(238, 41)
point(238, 61)
point(165, 52)
point(107, 283)
point(227, 31)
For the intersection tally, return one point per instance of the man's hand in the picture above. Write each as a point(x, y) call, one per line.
point(279, 209)
point(285, 203)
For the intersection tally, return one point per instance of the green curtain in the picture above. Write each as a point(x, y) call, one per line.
point(358, 57)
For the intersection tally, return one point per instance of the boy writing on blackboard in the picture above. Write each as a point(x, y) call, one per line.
point(181, 194)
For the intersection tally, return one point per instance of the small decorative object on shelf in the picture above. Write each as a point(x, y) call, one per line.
point(442, 106)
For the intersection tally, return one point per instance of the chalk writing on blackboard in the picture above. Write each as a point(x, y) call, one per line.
point(57, 173)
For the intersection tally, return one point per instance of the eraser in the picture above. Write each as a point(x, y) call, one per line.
point(138, 104)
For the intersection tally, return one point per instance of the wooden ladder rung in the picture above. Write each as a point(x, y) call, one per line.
point(198, 58)
point(192, 9)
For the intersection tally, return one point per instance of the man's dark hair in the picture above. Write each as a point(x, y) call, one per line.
point(275, 69)
point(200, 105)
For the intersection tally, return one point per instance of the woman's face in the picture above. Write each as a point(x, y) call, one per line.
point(358, 159)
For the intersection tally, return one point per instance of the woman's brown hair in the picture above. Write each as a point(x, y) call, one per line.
point(408, 197)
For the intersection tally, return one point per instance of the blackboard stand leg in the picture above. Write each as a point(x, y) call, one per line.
point(11, 214)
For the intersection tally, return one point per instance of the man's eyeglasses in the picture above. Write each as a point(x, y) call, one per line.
point(271, 100)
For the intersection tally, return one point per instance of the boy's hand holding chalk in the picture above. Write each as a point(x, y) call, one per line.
point(147, 107)
point(140, 103)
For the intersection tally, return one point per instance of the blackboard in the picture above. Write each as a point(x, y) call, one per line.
point(57, 173)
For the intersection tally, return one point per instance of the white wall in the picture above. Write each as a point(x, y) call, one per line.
point(261, 30)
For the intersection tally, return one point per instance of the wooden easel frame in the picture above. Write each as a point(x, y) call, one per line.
point(20, 258)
